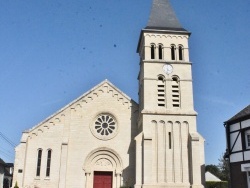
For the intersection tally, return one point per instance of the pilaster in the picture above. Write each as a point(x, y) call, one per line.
point(139, 159)
point(196, 168)
point(63, 165)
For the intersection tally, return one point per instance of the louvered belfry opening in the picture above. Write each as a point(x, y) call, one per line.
point(161, 91)
point(175, 92)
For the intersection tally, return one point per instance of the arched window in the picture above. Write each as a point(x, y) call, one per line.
point(152, 51)
point(173, 52)
point(48, 163)
point(180, 49)
point(175, 91)
point(161, 91)
point(39, 159)
point(160, 51)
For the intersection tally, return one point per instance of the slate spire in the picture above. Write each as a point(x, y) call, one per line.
point(163, 17)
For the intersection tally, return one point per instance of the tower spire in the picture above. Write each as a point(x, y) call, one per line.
point(163, 17)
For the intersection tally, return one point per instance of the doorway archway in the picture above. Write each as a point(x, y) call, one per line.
point(103, 161)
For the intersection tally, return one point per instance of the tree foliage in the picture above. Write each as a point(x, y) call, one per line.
point(224, 168)
point(212, 184)
point(214, 169)
point(221, 170)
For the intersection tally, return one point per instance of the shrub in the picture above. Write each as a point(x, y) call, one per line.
point(216, 184)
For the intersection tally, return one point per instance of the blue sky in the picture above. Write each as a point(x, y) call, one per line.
point(53, 51)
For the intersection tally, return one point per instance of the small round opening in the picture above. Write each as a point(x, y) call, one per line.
point(105, 125)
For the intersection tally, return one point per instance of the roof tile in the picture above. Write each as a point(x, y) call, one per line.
point(242, 114)
point(163, 16)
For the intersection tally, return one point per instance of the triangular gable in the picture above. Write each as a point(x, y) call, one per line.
point(210, 177)
point(104, 86)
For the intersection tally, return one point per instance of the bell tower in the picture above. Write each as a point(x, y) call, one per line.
point(169, 150)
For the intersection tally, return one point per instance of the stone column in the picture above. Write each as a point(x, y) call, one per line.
point(87, 174)
point(118, 179)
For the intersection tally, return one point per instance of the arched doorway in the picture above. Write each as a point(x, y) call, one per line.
point(103, 168)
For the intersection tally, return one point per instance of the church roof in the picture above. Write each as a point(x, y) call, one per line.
point(241, 116)
point(163, 17)
point(210, 177)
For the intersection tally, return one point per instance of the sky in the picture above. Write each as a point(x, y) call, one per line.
point(53, 51)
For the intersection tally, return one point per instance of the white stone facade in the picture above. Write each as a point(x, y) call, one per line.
point(105, 133)
point(75, 148)
point(132, 155)
point(172, 152)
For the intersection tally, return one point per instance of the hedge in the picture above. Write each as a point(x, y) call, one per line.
point(216, 184)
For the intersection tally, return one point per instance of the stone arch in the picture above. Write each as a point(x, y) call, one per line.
point(162, 122)
point(101, 159)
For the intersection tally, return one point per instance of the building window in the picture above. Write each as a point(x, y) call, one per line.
point(160, 50)
point(180, 49)
point(39, 159)
point(248, 178)
point(48, 163)
point(169, 140)
point(247, 139)
point(152, 51)
point(173, 52)
point(104, 127)
point(175, 92)
point(161, 91)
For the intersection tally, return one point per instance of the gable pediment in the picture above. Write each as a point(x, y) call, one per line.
point(106, 87)
point(90, 96)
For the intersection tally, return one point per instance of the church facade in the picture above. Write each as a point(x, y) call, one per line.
point(104, 139)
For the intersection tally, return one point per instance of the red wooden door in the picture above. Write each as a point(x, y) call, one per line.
point(102, 179)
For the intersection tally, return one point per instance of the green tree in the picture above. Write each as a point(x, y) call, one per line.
point(214, 169)
point(221, 170)
point(224, 168)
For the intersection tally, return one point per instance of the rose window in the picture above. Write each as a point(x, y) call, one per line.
point(105, 127)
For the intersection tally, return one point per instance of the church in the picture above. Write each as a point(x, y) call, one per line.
point(104, 139)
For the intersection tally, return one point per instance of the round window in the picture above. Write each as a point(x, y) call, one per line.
point(105, 127)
